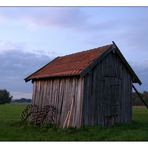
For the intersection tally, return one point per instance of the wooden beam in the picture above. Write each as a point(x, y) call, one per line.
point(140, 96)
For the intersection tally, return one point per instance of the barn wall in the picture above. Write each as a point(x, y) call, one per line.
point(109, 78)
point(65, 94)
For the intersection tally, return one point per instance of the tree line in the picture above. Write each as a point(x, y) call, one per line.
point(5, 97)
point(136, 100)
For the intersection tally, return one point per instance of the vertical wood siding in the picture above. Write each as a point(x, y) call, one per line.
point(66, 94)
point(107, 93)
point(102, 97)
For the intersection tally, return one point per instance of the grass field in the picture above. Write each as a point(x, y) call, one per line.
point(11, 130)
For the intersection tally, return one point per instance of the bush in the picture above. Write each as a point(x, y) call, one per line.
point(5, 97)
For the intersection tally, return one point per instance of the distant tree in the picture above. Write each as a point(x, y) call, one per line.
point(136, 99)
point(5, 97)
point(145, 96)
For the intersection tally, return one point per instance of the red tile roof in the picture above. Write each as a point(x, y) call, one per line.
point(69, 65)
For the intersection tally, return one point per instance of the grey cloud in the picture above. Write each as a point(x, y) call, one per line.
point(15, 66)
point(99, 19)
point(127, 26)
point(62, 17)
point(52, 16)
point(10, 46)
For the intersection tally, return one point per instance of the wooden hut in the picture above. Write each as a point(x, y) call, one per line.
point(92, 87)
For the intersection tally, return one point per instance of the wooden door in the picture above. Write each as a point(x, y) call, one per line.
point(111, 100)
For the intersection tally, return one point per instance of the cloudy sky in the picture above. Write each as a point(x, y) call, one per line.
point(32, 36)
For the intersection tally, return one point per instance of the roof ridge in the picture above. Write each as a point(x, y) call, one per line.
point(85, 51)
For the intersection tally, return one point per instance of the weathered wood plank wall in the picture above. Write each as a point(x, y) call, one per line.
point(102, 97)
point(66, 94)
point(107, 92)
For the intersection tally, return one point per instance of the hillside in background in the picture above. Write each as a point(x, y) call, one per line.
point(22, 100)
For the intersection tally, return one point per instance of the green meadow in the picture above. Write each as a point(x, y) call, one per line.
point(12, 130)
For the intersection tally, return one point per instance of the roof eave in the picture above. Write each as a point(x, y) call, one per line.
point(48, 77)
